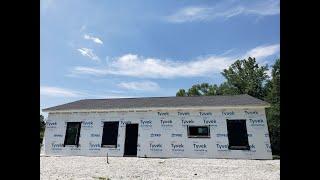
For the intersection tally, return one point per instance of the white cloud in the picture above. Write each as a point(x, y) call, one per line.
point(59, 92)
point(94, 39)
point(133, 65)
point(263, 8)
point(136, 66)
point(140, 86)
point(225, 10)
point(262, 52)
point(89, 53)
point(88, 70)
point(189, 14)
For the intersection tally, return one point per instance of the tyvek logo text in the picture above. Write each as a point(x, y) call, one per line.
point(146, 123)
point(268, 147)
point(94, 146)
point(56, 146)
point(205, 113)
point(156, 147)
point(200, 147)
point(228, 113)
point(251, 112)
point(166, 123)
point(87, 124)
point(163, 114)
point(177, 147)
point(222, 147)
point(256, 122)
point(51, 125)
point(187, 122)
point(183, 114)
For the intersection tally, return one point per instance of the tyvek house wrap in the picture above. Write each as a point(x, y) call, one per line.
point(162, 133)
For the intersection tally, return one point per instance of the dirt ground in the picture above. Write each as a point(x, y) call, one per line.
point(78, 167)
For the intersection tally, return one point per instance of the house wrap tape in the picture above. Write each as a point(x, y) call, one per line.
point(161, 133)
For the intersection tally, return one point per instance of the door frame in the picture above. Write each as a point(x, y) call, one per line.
point(125, 137)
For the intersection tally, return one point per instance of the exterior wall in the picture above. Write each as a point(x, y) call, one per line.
point(162, 133)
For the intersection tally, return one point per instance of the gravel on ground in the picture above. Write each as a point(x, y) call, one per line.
point(80, 167)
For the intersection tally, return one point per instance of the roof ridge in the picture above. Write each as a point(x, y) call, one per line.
point(167, 97)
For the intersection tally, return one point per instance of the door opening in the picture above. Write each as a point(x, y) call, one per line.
point(131, 140)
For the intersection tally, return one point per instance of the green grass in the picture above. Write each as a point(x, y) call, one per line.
point(275, 156)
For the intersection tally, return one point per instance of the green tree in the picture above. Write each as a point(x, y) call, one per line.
point(181, 92)
point(273, 113)
point(273, 95)
point(203, 89)
point(194, 91)
point(247, 77)
point(226, 89)
point(213, 90)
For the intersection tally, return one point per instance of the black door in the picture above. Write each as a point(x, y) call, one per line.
point(130, 144)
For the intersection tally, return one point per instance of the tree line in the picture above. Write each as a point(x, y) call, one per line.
point(247, 77)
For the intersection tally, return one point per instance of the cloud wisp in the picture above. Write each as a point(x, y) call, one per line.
point(94, 39)
point(89, 53)
point(262, 52)
point(139, 86)
point(225, 10)
point(136, 66)
point(59, 92)
point(132, 65)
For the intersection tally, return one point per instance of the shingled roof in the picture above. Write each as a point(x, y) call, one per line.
point(160, 102)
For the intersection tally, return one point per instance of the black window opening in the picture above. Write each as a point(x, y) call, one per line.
point(72, 133)
point(198, 131)
point(237, 135)
point(110, 134)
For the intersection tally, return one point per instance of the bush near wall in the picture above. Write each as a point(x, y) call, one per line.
point(42, 128)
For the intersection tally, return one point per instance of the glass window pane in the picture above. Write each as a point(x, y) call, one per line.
point(198, 131)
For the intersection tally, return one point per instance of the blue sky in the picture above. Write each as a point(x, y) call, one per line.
point(113, 49)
